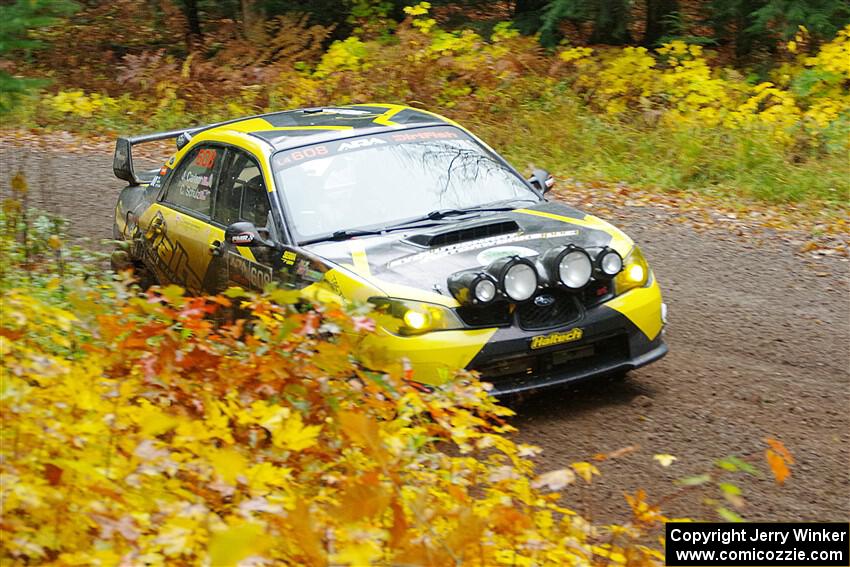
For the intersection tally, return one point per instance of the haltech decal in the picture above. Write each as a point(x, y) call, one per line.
point(543, 341)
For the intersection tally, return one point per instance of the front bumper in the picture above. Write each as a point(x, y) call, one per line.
point(542, 373)
point(620, 335)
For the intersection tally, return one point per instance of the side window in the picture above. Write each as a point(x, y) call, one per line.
point(242, 194)
point(191, 183)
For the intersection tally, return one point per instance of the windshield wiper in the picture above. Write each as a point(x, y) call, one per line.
point(440, 214)
point(435, 215)
point(342, 235)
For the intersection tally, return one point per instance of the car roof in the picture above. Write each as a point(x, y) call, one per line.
point(304, 126)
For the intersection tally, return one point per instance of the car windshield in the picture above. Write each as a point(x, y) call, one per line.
point(374, 181)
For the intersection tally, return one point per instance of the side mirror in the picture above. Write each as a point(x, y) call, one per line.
point(541, 179)
point(244, 233)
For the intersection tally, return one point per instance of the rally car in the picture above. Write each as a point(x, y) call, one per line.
point(467, 263)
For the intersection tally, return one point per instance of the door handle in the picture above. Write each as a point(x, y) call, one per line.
point(215, 248)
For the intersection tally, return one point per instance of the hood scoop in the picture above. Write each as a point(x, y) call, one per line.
point(436, 238)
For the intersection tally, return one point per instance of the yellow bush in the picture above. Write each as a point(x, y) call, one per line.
point(347, 55)
point(137, 430)
point(80, 104)
point(678, 82)
point(805, 103)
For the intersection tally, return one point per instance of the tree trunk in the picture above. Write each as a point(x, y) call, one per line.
point(657, 23)
point(247, 17)
point(194, 36)
point(610, 25)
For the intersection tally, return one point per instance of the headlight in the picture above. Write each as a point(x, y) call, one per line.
point(407, 317)
point(569, 266)
point(635, 272)
point(608, 263)
point(484, 290)
point(519, 280)
point(574, 269)
point(473, 287)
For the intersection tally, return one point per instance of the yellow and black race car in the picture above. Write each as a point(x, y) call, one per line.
point(466, 262)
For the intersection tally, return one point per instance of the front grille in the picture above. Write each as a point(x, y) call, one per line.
point(556, 362)
point(496, 315)
point(561, 309)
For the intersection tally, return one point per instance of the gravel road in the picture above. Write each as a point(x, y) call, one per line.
point(759, 347)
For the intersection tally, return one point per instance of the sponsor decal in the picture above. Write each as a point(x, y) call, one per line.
point(195, 179)
point(361, 143)
point(195, 193)
point(242, 238)
point(289, 257)
point(552, 339)
point(292, 158)
point(205, 159)
point(157, 180)
point(426, 135)
point(247, 273)
point(442, 252)
point(489, 256)
point(166, 256)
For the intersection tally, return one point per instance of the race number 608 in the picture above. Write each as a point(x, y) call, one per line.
point(308, 153)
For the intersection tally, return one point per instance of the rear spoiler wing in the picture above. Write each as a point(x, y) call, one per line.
point(122, 161)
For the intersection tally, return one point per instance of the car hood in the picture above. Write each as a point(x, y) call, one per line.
point(416, 264)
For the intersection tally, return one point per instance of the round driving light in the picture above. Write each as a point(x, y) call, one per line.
point(484, 290)
point(415, 319)
point(635, 273)
point(520, 281)
point(575, 269)
point(610, 263)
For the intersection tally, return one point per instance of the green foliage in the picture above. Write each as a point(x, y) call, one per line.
point(671, 117)
point(17, 20)
point(586, 147)
point(753, 25)
point(823, 18)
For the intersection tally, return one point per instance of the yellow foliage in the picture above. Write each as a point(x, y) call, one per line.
point(179, 440)
point(679, 86)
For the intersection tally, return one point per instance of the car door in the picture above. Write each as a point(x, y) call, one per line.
point(179, 232)
point(242, 195)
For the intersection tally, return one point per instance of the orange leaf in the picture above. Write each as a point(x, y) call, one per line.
point(304, 533)
point(777, 466)
point(53, 474)
point(362, 430)
point(364, 499)
point(398, 533)
point(468, 531)
point(615, 454)
point(508, 520)
point(780, 448)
